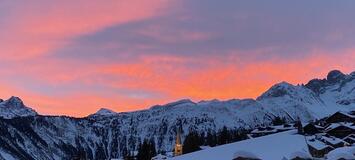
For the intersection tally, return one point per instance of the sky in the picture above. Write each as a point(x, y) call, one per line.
point(74, 57)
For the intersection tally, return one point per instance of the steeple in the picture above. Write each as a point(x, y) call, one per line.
point(178, 145)
point(178, 137)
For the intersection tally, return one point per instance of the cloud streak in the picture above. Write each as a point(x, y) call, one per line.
point(75, 57)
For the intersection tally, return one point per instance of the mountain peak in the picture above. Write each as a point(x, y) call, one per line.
point(179, 102)
point(13, 102)
point(172, 104)
point(277, 90)
point(335, 76)
point(105, 112)
point(14, 107)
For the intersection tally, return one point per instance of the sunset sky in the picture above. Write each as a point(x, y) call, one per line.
point(74, 57)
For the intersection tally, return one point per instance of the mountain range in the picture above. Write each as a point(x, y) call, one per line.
point(25, 134)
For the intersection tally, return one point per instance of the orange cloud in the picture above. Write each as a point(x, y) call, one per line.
point(175, 79)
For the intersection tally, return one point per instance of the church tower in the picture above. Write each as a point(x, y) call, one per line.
point(178, 145)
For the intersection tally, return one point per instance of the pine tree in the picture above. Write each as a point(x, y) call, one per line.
point(191, 143)
point(211, 139)
point(146, 150)
point(224, 136)
point(152, 150)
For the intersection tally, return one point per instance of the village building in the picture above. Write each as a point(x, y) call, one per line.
point(333, 141)
point(311, 129)
point(341, 129)
point(262, 131)
point(350, 139)
point(317, 148)
point(340, 117)
point(160, 157)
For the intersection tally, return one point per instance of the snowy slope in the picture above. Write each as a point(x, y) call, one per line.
point(107, 134)
point(284, 144)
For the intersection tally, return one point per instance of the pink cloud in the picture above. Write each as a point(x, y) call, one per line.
point(172, 77)
point(40, 27)
point(37, 29)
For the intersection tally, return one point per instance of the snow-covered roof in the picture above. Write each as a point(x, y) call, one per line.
point(332, 140)
point(347, 114)
point(160, 157)
point(264, 131)
point(336, 125)
point(343, 152)
point(282, 127)
point(318, 126)
point(245, 154)
point(272, 129)
point(315, 125)
point(350, 136)
point(316, 144)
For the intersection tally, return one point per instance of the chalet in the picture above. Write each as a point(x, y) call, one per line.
point(317, 148)
point(160, 157)
point(311, 129)
point(262, 131)
point(285, 127)
point(350, 139)
point(340, 117)
point(340, 130)
point(333, 141)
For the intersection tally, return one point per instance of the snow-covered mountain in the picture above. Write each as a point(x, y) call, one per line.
point(14, 107)
point(103, 112)
point(107, 134)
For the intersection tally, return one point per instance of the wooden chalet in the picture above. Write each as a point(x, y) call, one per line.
point(262, 131)
point(340, 117)
point(350, 139)
point(318, 149)
point(311, 129)
point(340, 130)
point(333, 141)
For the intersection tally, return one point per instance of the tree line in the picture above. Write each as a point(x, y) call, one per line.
point(192, 142)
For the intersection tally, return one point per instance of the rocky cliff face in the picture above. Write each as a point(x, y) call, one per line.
point(110, 135)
